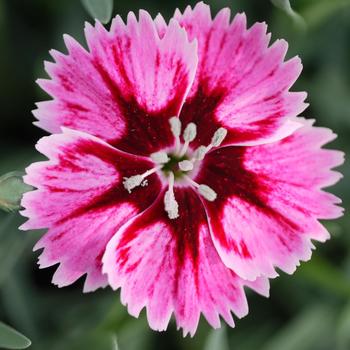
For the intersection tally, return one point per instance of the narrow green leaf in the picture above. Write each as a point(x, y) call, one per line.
point(217, 339)
point(99, 9)
point(12, 189)
point(11, 339)
point(115, 343)
point(342, 333)
point(285, 6)
point(12, 244)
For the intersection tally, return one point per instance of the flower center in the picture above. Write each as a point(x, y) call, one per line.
point(173, 165)
point(178, 164)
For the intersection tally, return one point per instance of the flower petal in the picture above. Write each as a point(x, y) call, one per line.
point(82, 201)
point(172, 266)
point(122, 90)
point(241, 83)
point(269, 200)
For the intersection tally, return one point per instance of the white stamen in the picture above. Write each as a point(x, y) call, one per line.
point(204, 190)
point(186, 165)
point(189, 135)
point(134, 181)
point(216, 140)
point(207, 192)
point(175, 126)
point(200, 152)
point(218, 137)
point(170, 203)
point(160, 157)
point(190, 132)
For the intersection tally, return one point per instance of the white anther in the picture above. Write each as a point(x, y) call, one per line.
point(175, 126)
point(131, 182)
point(189, 135)
point(160, 157)
point(186, 165)
point(200, 153)
point(207, 192)
point(204, 190)
point(190, 132)
point(170, 204)
point(218, 137)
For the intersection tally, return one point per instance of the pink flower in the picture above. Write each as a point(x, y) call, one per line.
point(179, 171)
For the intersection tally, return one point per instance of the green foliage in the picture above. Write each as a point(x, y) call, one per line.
point(12, 189)
point(217, 339)
point(99, 9)
point(12, 339)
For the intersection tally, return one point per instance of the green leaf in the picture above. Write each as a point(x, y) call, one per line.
point(12, 244)
point(115, 343)
point(285, 6)
point(99, 9)
point(11, 339)
point(12, 189)
point(342, 333)
point(217, 339)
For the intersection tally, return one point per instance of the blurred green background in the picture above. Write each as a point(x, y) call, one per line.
point(307, 311)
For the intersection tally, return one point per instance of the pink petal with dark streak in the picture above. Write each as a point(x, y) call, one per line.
point(270, 199)
point(171, 266)
point(125, 88)
point(241, 83)
point(80, 198)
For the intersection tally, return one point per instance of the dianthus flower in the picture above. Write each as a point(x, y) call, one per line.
point(179, 171)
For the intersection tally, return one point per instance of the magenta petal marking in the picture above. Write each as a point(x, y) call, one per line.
point(122, 90)
point(171, 266)
point(269, 200)
point(241, 83)
point(82, 201)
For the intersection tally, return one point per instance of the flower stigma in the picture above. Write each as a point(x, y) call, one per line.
point(178, 164)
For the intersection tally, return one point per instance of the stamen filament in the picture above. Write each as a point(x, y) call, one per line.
point(193, 183)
